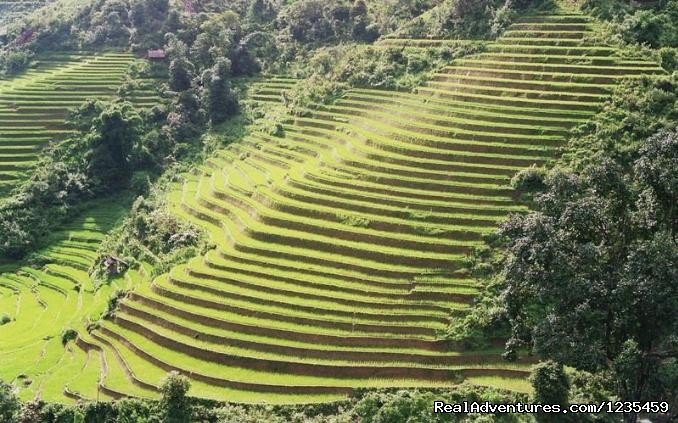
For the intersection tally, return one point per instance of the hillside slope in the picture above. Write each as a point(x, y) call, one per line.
point(13, 10)
point(34, 106)
point(340, 245)
point(44, 300)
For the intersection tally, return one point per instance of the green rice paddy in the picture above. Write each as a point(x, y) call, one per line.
point(34, 105)
point(44, 300)
point(340, 245)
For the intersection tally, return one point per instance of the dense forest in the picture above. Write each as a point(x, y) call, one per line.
point(498, 176)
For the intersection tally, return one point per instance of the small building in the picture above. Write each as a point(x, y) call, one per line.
point(158, 54)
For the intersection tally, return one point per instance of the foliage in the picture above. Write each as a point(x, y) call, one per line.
point(416, 406)
point(112, 303)
point(592, 269)
point(655, 25)
point(668, 58)
point(174, 404)
point(638, 109)
point(4, 319)
point(551, 386)
point(321, 22)
point(68, 335)
point(49, 196)
point(221, 102)
point(587, 278)
point(13, 62)
point(332, 70)
point(317, 91)
point(529, 180)
point(373, 406)
point(111, 144)
point(463, 19)
point(151, 234)
point(98, 161)
point(181, 72)
point(9, 403)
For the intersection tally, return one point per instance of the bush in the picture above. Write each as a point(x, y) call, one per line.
point(529, 180)
point(551, 386)
point(9, 403)
point(550, 383)
point(669, 58)
point(462, 19)
point(655, 25)
point(112, 304)
point(4, 319)
point(174, 404)
point(68, 335)
point(16, 61)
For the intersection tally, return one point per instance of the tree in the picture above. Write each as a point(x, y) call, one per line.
point(260, 12)
point(112, 140)
point(361, 22)
point(306, 22)
point(9, 403)
point(174, 405)
point(590, 275)
point(219, 97)
point(14, 62)
point(551, 386)
point(217, 37)
point(180, 74)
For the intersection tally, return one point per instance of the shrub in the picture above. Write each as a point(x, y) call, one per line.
point(551, 386)
point(112, 304)
point(4, 319)
point(669, 58)
point(16, 61)
point(174, 404)
point(9, 403)
point(529, 180)
point(68, 335)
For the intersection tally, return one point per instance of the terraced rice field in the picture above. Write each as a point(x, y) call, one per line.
point(44, 300)
point(33, 106)
point(340, 245)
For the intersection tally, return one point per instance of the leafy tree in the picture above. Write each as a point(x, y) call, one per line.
point(174, 404)
point(181, 73)
point(187, 119)
point(220, 99)
point(306, 21)
point(551, 386)
point(654, 24)
point(9, 403)
point(46, 198)
point(14, 62)
point(115, 133)
point(362, 31)
point(261, 12)
point(589, 277)
point(217, 37)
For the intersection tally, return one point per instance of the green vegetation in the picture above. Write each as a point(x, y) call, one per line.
point(578, 279)
point(34, 106)
point(297, 203)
